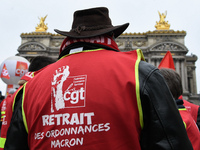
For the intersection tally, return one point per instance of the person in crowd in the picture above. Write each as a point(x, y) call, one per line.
point(37, 64)
point(193, 109)
point(40, 62)
point(96, 97)
point(174, 83)
point(1, 99)
point(3, 108)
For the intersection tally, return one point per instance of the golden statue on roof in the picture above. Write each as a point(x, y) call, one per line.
point(41, 27)
point(162, 24)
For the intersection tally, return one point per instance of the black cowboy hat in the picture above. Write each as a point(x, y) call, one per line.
point(92, 22)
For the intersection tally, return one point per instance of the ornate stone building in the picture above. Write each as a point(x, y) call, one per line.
point(154, 45)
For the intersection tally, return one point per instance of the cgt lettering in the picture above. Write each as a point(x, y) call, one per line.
point(20, 72)
point(74, 96)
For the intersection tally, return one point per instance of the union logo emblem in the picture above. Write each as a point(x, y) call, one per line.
point(21, 69)
point(4, 73)
point(67, 91)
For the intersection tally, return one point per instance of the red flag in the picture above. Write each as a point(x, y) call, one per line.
point(4, 73)
point(167, 61)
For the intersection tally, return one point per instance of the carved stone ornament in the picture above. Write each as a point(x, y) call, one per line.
point(139, 43)
point(167, 46)
point(56, 43)
point(119, 43)
point(189, 71)
point(32, 47)
point(128, 45)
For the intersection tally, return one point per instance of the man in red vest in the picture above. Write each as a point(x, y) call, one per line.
point(174, 83)
point(96, 97)
point(36, 66)
point(194, 110)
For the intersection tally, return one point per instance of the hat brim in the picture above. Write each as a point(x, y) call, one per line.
point(117, 30)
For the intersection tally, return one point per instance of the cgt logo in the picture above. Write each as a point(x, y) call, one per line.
point(67, 91)
point(21, 68)
point(4, 73)
point(74, 96)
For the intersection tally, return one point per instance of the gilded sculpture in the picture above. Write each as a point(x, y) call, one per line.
point(162, 24)
point(41, 27)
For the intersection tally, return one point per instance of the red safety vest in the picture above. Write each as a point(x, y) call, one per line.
point(7, 110)
point(191, 128)
point(192, 109)
point(6, 117)
point(88, 100)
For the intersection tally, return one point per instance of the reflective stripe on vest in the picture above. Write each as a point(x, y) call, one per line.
point(82, 52)
point(140, 57)
point(2, 115)
point(183, 109)
point(2, 142)
point(23, 113)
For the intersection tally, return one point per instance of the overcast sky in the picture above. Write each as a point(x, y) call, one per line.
point(21, 16)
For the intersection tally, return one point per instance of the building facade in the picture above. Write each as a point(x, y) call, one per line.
point(154, 45)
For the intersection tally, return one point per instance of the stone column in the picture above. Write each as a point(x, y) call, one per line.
point(184, 76)
point(149, 59)
point(153, 62)
point(177, 65)
point(194, 91)
point(157, 62)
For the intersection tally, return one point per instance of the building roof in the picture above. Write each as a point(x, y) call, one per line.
point(124, 34)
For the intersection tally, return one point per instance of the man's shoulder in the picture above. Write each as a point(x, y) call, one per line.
point(146, 68)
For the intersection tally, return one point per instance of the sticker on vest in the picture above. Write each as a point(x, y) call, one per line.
point(76, 50)
point(67, 91)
